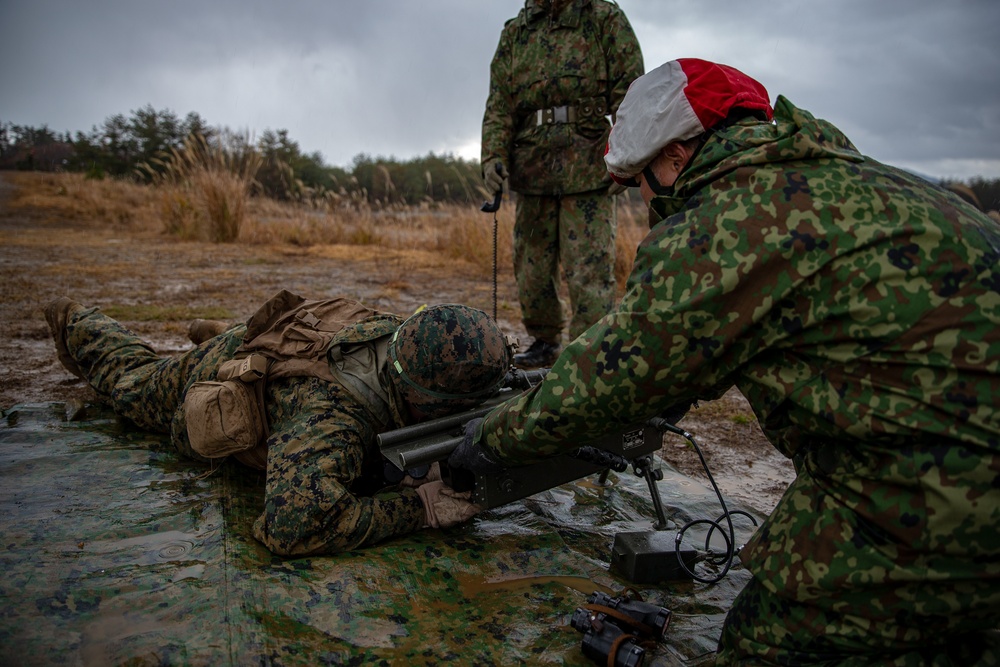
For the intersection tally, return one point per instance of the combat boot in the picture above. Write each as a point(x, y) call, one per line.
point(541, 354)
point(57, 313)
point(202, 330)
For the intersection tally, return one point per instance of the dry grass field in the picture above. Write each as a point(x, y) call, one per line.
point(146, 256)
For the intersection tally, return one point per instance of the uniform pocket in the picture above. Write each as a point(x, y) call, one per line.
point(223, 418)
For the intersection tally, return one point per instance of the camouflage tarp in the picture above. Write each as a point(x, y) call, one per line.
point(117, 551)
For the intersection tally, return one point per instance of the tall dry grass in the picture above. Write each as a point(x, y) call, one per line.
point(47, 196)
point(455, 233)
point(633, 224)
point(205, 187)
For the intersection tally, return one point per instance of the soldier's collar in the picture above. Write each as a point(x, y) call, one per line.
point(569, 16)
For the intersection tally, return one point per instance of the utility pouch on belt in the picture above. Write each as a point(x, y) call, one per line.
point(227, 416)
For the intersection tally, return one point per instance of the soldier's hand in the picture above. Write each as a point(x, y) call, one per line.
point(494, 176)
point(471, 456)
point(444, 507)
point(676, 412)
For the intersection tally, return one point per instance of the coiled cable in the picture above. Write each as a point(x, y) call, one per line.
point(728, 532)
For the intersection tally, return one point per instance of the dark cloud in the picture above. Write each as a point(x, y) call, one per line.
point(912, 82)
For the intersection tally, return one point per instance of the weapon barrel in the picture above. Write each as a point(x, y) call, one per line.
point(430, 450)
point(516, 380)
point(433, 440)
point(429, 428)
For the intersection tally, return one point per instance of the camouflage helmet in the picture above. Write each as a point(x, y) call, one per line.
point(447, 357)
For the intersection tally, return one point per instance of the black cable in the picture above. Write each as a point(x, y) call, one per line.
point(726, 559)
point(496, 223)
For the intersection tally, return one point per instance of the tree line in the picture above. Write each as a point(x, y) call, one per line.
point(136, 146)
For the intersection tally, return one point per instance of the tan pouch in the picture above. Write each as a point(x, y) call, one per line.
point(227, 416)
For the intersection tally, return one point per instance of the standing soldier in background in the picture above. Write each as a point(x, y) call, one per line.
point(561, 68)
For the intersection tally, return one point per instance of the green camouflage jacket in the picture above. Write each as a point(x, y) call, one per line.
point(584, 57)
point(846, 299)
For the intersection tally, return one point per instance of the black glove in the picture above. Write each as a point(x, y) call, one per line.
point(472, 457)
point(676, 412)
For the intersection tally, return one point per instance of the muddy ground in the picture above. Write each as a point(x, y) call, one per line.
point(156, 284)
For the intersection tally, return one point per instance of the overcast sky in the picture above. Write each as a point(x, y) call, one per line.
point(915, 83)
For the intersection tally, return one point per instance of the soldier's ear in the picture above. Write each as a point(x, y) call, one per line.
point(677, 154)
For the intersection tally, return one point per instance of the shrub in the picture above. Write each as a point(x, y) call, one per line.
point(205, 186)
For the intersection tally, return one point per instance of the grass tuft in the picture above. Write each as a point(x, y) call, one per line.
point(205, 186)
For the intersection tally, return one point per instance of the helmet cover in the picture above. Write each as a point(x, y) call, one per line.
point(676, 101)
point(447, 357)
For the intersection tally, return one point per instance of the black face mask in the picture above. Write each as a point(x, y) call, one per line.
point(664, 204)
point(654, 184)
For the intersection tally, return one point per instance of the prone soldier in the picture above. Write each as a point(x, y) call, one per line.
point(300, 391)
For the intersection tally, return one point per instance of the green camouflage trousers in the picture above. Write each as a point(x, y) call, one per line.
point(575, 231)
point(141, 386)
point(876, 556)
point(320, 440)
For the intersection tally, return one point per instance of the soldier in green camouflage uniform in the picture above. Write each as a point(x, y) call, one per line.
point(325, 491)
point(857, 307)
point(561, 67)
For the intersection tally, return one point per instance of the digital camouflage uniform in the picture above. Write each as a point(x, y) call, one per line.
point(857, 307)
point(584, 57)
point(324, 491)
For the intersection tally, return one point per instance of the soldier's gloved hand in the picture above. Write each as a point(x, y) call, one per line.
point(444, 507)
point(473, 457)
point(494, 176)
point(433, 475)
point(616, 188)
point(676, 412)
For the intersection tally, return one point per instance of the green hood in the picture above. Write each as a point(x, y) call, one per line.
point(795, 135)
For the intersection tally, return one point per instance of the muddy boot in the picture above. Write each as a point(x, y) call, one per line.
point(541, 354)
point(202, 330)
point(57, 313)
